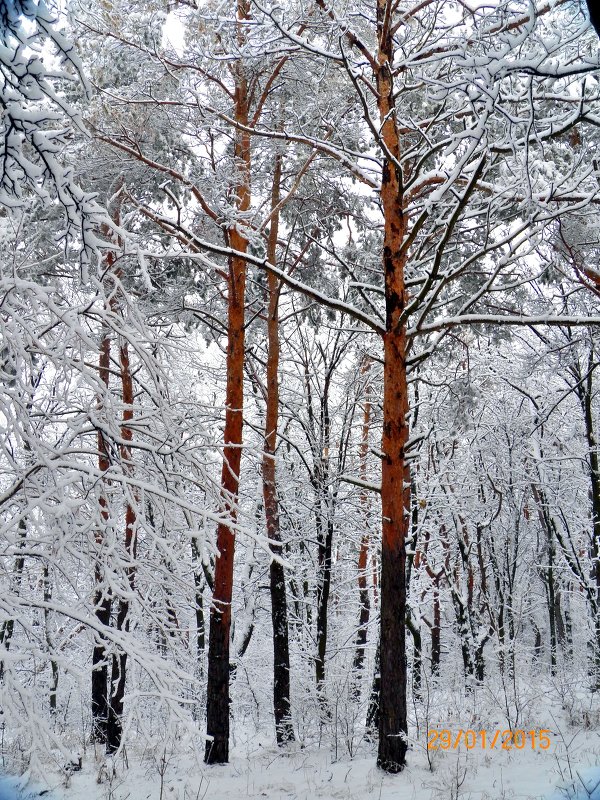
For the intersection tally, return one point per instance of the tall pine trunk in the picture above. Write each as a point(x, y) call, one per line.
point(279, 615)
point(395, 482)
point(217, 698)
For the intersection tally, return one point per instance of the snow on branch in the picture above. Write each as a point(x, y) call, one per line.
point(37, 121)
point(501, 319)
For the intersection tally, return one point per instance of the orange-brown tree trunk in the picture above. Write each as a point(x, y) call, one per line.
point(279, 616)
point(395, 483)
point(394, 500)
point(217, 699)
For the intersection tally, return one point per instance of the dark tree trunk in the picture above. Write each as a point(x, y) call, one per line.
point(585, 393)
point(568, 628)
point(119, 660)
point(8, 625)
point(199, 581)
point(373, 711)
point(279, 615)
point(417, 678)
point(594, 13)
point(363, 555)
point(325, 546)
point(479, 663)
point(363, 616)
point(547, 572)
point(281, 658)
point(49, 642)
point(100, 670)
point(103, 597)
point(551, 589)
point(436, 628)
point(324, 529)
point(114, 726)
point(537, 644)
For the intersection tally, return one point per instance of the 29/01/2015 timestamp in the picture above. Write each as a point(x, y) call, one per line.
point(488, 740)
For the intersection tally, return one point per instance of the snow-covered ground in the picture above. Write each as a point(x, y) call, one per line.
point(567, 771)
point(301, 776)
point(333, 759)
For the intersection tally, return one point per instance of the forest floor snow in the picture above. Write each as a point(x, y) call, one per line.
point(320, 767)
point(568, 770)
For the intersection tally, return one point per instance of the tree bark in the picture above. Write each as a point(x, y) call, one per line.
point(103, 597)
point(547, 572)
point(395, 499)
point(594, 15)
point(585, 394)
point(395, 483)
point(417, 664)
point(325, 546)
point(119, 660)
point(199, 582)
point(217, 699)
point(436, 628)
point(8, 626)
point(324, 524)
point(279, 615)
point(373, 710)
point(53, 694)
point(363, 555)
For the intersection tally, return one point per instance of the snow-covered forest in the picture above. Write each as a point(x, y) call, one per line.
point(299, 398)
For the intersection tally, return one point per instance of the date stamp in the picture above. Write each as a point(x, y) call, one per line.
point(446, 739)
